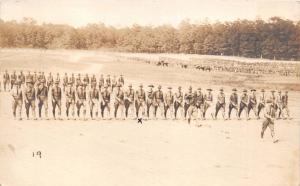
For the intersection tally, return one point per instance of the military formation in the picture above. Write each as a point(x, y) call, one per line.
point(84, 96)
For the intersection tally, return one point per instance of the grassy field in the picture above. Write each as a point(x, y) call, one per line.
point(159, 152)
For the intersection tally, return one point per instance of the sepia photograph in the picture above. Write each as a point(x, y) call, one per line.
point(149, 92)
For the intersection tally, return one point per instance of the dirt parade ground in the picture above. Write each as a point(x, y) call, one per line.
point(156, 152)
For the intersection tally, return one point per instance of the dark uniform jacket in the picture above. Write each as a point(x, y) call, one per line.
point(56, 93)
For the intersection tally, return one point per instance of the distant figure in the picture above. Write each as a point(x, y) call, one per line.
point(269, 120)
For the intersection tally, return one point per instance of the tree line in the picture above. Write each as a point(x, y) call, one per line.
point(276, 38)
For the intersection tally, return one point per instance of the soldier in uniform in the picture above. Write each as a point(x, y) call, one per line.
point(78, 81)
point(34, 78)
point(94, 100)
point(29, 97)
point(105, 103)
point(140, 102)
point(81, 100)
point(252, 103)
point(149, 100)
point(169, 103)
point(65, 81)
point(192, 106)
point(72, 80)
point(129, 101)
point(199, 103)
point(101, 82)
point(278, 101)
point(21, 79)
point(13, 79)
point(285, 108)
point(108, 81)
point(269, 120)
point(178, 102)
point(158, 102)
point(187, 99)
point(57, 78)
point(50, 81)
point(6, 80)
point(42, 96)
point(56, 99)
point(208, 100)
point(93, 80)
point(17, 101)
point(262, 101)
point(233, 103)
point(86, 81)
point(121, 80)
point(70, 100)
point(119, 102)
point(220, 105)
point(114, 83)
point(244, 104)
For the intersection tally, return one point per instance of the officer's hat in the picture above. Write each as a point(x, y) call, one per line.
point(262, 90)
point(234, 89)
point(151, 86)
point(221, 89)
point(169, 87)
point(190, 88)
point(159, 86)
point(141, 85)
point(253, 90)
point(199, 88)
point(209, 89)
point(244, 90)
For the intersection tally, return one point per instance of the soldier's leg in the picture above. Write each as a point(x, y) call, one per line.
point(229, 110)
point(108, 110)
point(126, 105)
point(131, 109)
point(91, 104)
point(40, 105)
point(67, 108)
point(84, 109)
point(162, 109)
point(176, 106)
point(54, 108)
point(279, 111)
point(223, 111)
point(186, 106)
point(259, 109)
point(121, 111)
point(96, 108)
point(27, 106)
point(171, 110)
point(72, 106)
point(137, 108)
point(14, 107)
point(264, 127)
point(218, 106)
point(242, 106)
point(78, 106)
point(46, 108)
point(32, 104)
point(166, 108)
point(271, 127)
point(116, 109)
point(20, 103)
point(102, 107)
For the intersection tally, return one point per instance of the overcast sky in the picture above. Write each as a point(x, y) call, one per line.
point(146, 12)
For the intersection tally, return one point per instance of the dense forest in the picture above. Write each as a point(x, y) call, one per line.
point(276, 38)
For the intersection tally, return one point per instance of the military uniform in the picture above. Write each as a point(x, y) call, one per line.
point(81, 101)
point(252, 103)
point(86, 81)
point(244, 104)
point(269, 120)
point(285, 108)
point(50, 81)
point(94, 100)
point(6, 80)
point(129, 101)
point(119, 103)
point(187, 99)
point(220, 105)
point(21, 79)
point(158, 103)
point(262, 101)
point(114, 83)
point(56, 99)
point(70, 100)
point(78, 81)
point(65, 81)
point(105, 103)
point(72, 80)
point(149, 101)
point(233, 103)
point(169, 103)
point(17, 102)
point(140, 102)
point(192, 106)
point(279, 104)
point(29, 93)
point(200, 103)
point(208, 100)
point(42, 95)
point(101, 82)
point(93, 81)
point(178, 102)
point(121, 80)
point(13, 79)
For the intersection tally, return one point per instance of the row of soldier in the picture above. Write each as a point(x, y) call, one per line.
point(140, 103)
